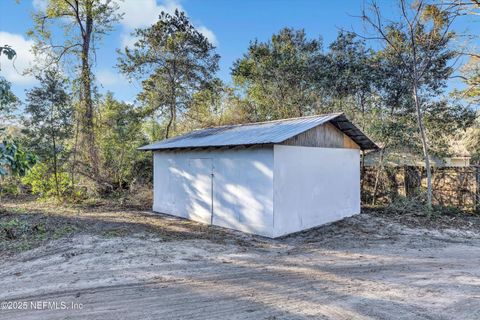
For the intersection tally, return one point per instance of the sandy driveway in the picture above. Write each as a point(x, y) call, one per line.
point(361, 268)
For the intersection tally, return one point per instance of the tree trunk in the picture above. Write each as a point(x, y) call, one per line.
point(54, 150)
point(377, 177)
point(55, 168)
point(173, 97)
point(1, 189)
point(170, 121)
point(119, 176)
point(88, 134)
point(362, 171)
point(423, 137)
point(74, 162)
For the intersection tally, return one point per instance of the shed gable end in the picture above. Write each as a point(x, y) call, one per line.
point(322, 136)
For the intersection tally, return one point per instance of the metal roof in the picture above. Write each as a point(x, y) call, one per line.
point(270, 132)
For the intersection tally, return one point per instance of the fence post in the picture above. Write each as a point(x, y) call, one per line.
point(477, 189)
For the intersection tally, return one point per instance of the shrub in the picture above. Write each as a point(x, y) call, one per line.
point(43, 183)
point(417, 206)
point(10, 185)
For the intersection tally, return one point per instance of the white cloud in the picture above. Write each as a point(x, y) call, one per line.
point(13, 70)
point(144, 13)
point(127, 40)
point(40, 5)
point(108, 78)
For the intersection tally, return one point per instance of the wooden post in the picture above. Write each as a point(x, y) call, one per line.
point(477, 187)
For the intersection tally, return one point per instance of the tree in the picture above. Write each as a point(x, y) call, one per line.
point(14, 159)
point(471, 73)
point(351, 78)
point(174, 61)
point(205, 109)
point(420, 42)
point(119, 136)
point(472, 138)
point(8, 100)
point(50, 121)
point(280, 76)
point(351, 67)
point(84, 23)
point(471, 78)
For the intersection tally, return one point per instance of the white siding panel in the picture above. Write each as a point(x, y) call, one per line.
point(242, 187)
point(314, 186)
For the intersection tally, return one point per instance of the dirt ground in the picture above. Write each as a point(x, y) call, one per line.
point(114, 263)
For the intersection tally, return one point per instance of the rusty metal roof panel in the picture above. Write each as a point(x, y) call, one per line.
point(270, 132)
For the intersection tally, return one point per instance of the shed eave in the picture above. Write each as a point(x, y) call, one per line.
point(247, 145)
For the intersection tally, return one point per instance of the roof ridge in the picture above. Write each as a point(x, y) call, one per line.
point(270, 121)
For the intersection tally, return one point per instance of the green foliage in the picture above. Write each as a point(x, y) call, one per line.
point(281, 76)
point(64, 26)
point(205, 110)
point(25, 232)
point(417, 45)
point(444, 120)
point(12, 229)
point(8, 100)
point(50, 115)
point(95, 138)
point(291, 76)
point(8, 51)
point(119, 135)
point(15, 162)
point(174, 61)
point(11, 186)
point(115, 233)
point(152, 129)
point(472, 140)
point(432, 56)
point(84, 23)
point(43, 182)
point(351, 70)
point(417, 205)
point(50, 122)
point(61, 232)
point(471, 74)
point(14, 159)
point(421, 53)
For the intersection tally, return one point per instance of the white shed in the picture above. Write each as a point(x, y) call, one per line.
point(269, 178)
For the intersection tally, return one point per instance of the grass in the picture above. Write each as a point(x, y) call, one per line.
point(33, 223)
point(115, 233)
point(26, 223)
point(63, 232)
point(413, 212)
point(20, 234)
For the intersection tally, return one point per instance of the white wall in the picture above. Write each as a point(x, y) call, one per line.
point(314, 186)
point(242, 187)
point(266, 191)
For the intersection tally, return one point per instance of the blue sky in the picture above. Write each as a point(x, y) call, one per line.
point(230, 24)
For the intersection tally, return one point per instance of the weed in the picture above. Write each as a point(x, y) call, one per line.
point(417, 206)
point(63, 231)
point(114, 233)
